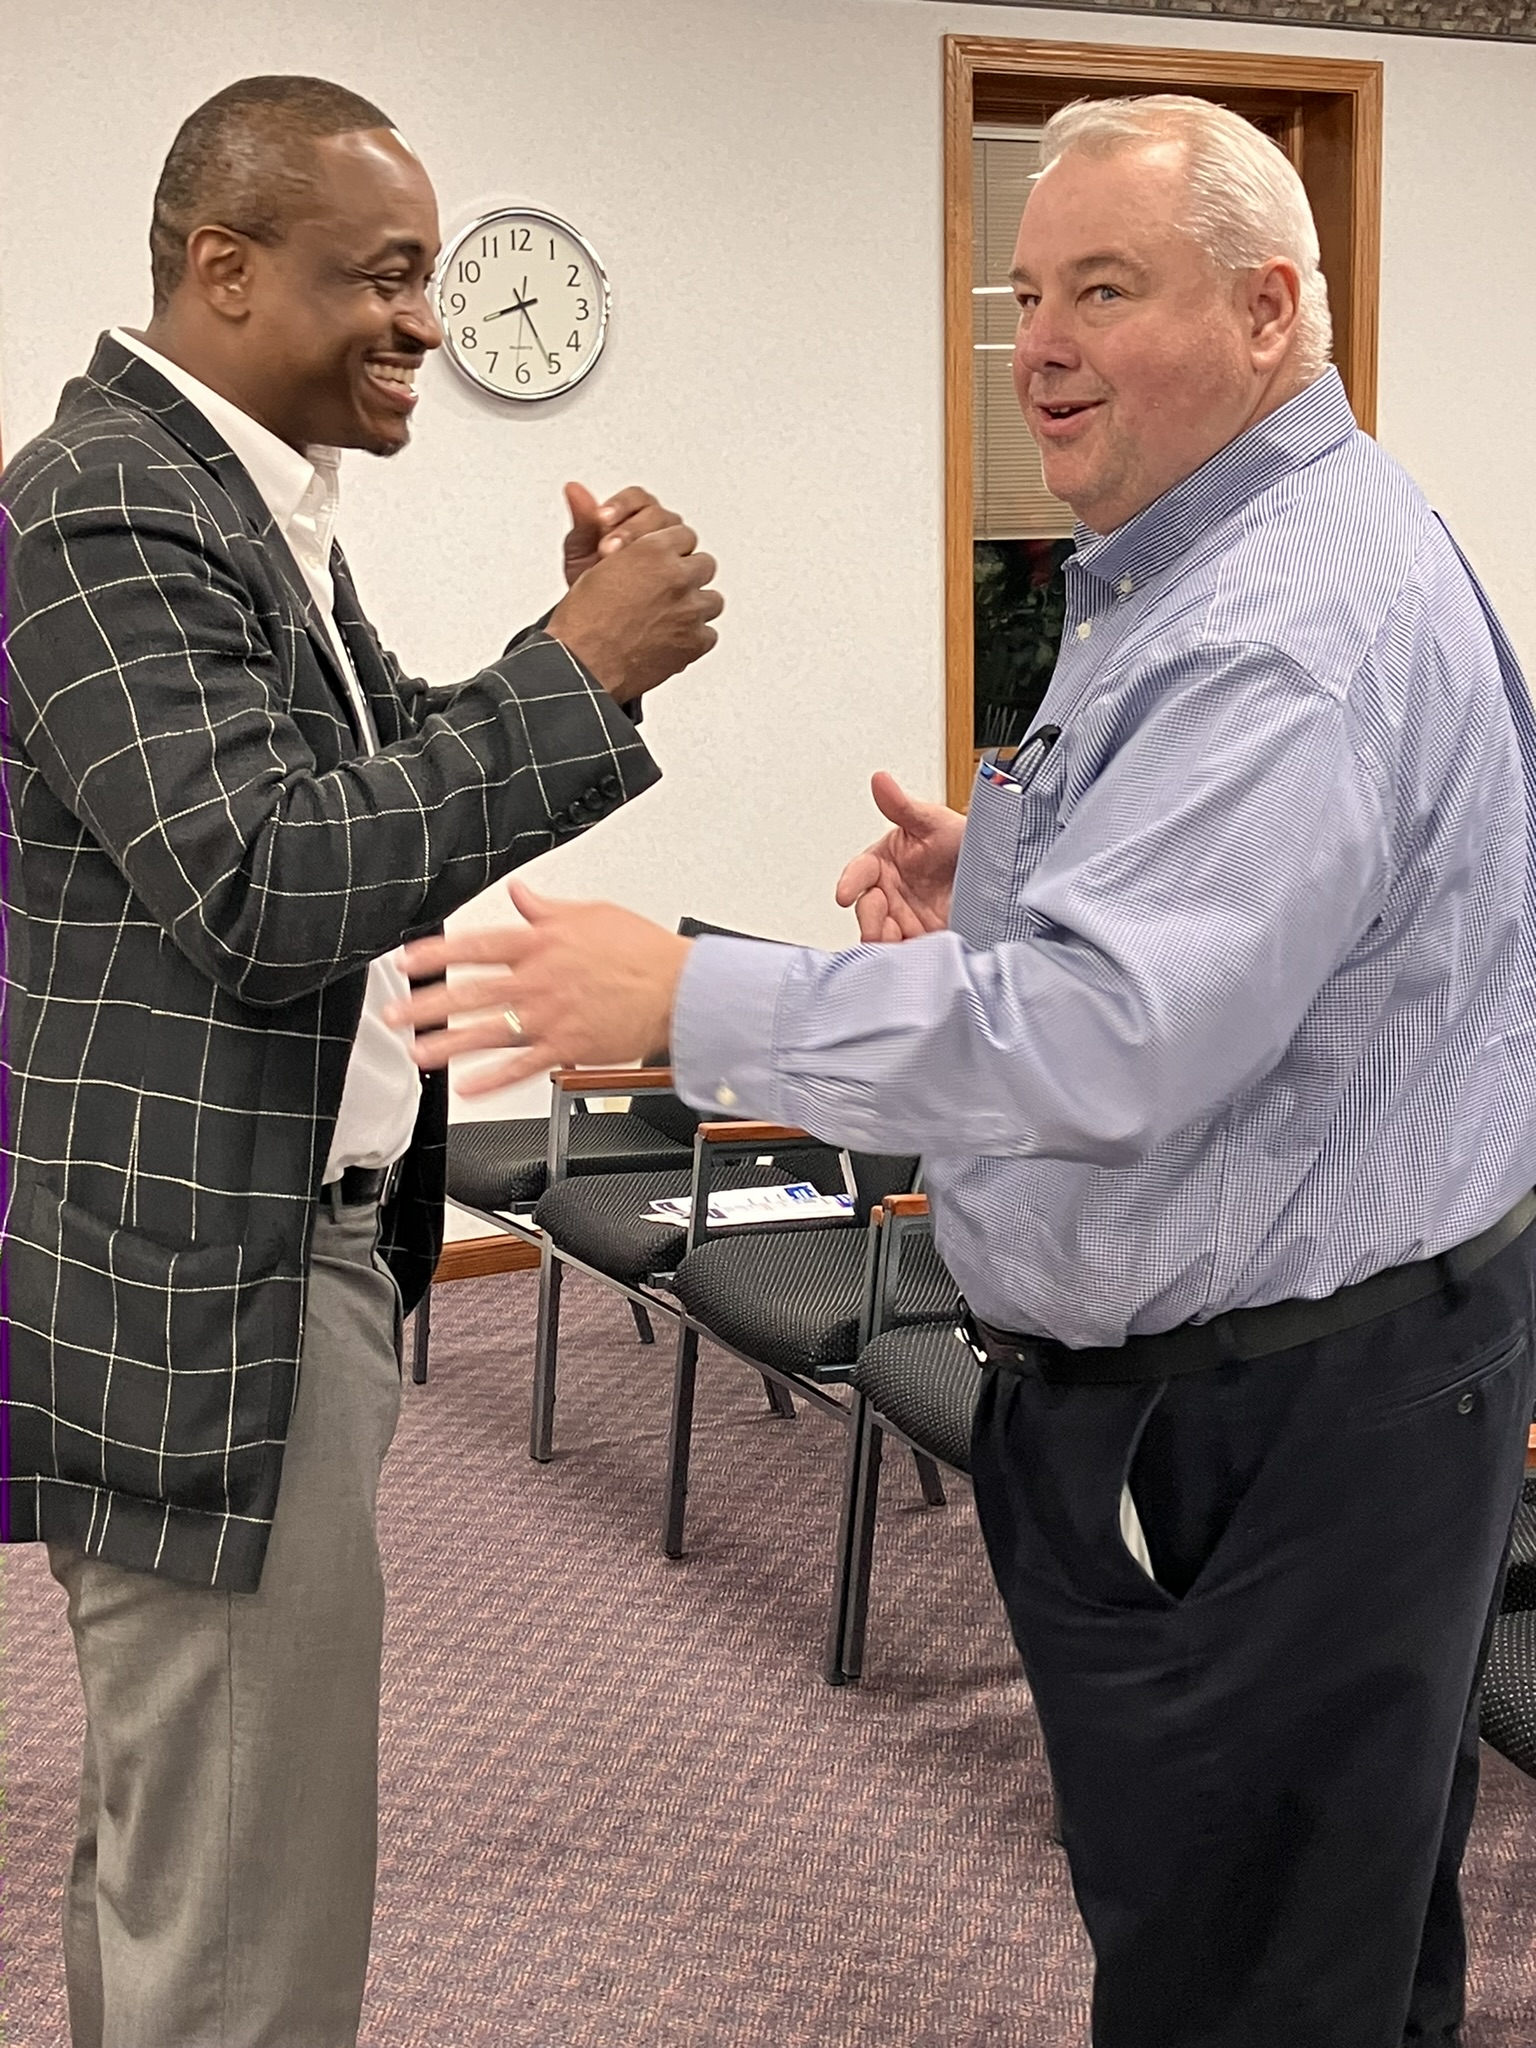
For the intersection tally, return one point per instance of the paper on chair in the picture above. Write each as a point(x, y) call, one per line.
point(794, 1202)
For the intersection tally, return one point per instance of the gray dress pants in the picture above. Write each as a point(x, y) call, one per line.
point(221, 1892)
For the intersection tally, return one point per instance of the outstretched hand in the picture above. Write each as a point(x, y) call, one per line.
point(900, 887)
point(576, 984)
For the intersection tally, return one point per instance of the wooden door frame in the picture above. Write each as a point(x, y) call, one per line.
point(1333, 110)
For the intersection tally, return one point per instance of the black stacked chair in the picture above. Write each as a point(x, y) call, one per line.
point(499, 1167)
point(599, 1224)
point(917, 1384)
point(1509, 1690)
point(1509, 1682)
point(798, 1307)
point(1520, 1580)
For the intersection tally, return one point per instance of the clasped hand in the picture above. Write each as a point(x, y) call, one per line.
point(638, 607)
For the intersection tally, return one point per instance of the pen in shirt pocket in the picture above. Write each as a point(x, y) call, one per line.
point(1024, 761)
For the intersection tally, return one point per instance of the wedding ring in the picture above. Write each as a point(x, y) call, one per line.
point(514, 1024)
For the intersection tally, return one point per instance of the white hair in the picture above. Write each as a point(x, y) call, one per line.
point(1247, 204)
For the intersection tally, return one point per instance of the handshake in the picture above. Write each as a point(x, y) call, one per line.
point(638, 607)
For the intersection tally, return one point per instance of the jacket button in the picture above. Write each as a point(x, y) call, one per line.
point(1466, 1404)
point(610, 786)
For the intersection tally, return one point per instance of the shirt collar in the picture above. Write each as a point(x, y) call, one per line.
point(281, 474)
point(1285, 440)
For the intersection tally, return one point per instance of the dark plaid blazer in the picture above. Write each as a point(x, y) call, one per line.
point(199, 861)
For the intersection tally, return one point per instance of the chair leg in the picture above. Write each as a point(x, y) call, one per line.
point(685, 1375)
point(928, 1478)
point(862, 1557)
point(853, 1488)
point(642, 1323)
point(546, 1345)
point(421, 1338)
point(781, 1401)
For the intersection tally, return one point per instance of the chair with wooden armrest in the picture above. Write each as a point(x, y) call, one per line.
point(598, 1223)
point(497, 1170)
point(1508, 1705)
point(795, 1306)
point(918, 1385)
point(1520, 1578)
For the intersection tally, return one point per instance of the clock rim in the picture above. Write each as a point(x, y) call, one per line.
point(445, 260)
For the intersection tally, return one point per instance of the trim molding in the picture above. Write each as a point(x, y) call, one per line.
point(471, 1258)
point(1500, 21)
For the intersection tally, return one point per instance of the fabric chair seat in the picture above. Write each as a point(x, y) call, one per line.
point(1509, 1690)
point(505, 1164)
point(792, 1299)
point(600, 1217)
point(924, 1383)
point(1520, 1585)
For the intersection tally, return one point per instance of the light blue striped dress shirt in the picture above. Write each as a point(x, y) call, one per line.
point(1239, 996)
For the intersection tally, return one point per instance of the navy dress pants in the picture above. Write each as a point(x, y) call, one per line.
point(1266, 1754)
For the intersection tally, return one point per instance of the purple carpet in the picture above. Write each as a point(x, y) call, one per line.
point(620, 1805)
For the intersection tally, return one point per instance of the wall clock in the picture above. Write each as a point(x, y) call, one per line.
point(524, 303)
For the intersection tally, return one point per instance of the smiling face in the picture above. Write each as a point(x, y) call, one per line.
point(319, 333)
point(1137, 357)
point(339, 318)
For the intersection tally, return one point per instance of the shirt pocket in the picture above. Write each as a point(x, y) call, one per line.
point(1008, 829)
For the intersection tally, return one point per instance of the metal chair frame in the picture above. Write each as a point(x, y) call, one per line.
point(901, 1217)
point(882, 1274)
point(573, 1089)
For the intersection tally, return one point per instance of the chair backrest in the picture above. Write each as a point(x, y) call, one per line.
point(669, 1114)
point(876, 1174)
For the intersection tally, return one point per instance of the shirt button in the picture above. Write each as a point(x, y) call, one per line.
point(1085, 629)
point(1125, 586)
point(725, 1095)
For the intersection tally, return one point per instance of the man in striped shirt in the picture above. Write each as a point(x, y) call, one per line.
point(1215, 1024)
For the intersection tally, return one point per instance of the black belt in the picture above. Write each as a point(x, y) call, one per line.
point(360, 1187)
point(1246, 1333)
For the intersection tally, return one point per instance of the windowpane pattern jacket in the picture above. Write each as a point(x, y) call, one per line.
point(199, 862)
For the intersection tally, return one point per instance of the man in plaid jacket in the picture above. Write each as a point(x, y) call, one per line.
point(226, 807)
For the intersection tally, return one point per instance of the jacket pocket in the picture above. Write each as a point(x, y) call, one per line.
point(148, 1369)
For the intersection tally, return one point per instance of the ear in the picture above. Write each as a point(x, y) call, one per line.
point(219, 269)
point(1272, 303)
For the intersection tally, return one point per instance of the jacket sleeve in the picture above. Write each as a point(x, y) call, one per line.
point(143, 686)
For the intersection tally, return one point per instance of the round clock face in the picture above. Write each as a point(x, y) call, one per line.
point(524, 304)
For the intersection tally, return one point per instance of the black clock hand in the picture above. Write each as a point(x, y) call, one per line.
point(517, 306)
point(532, 329)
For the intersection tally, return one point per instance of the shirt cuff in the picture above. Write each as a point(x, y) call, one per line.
point(723, 1026)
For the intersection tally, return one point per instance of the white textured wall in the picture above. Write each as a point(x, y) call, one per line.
point(762, 179)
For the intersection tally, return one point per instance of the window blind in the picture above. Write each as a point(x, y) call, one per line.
point(1011, 500)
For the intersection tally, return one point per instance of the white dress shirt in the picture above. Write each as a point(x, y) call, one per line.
point(380, 1097)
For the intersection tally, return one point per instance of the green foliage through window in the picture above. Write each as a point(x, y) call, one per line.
point(1020, 605)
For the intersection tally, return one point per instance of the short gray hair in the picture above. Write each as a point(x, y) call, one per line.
point(1246, 203)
